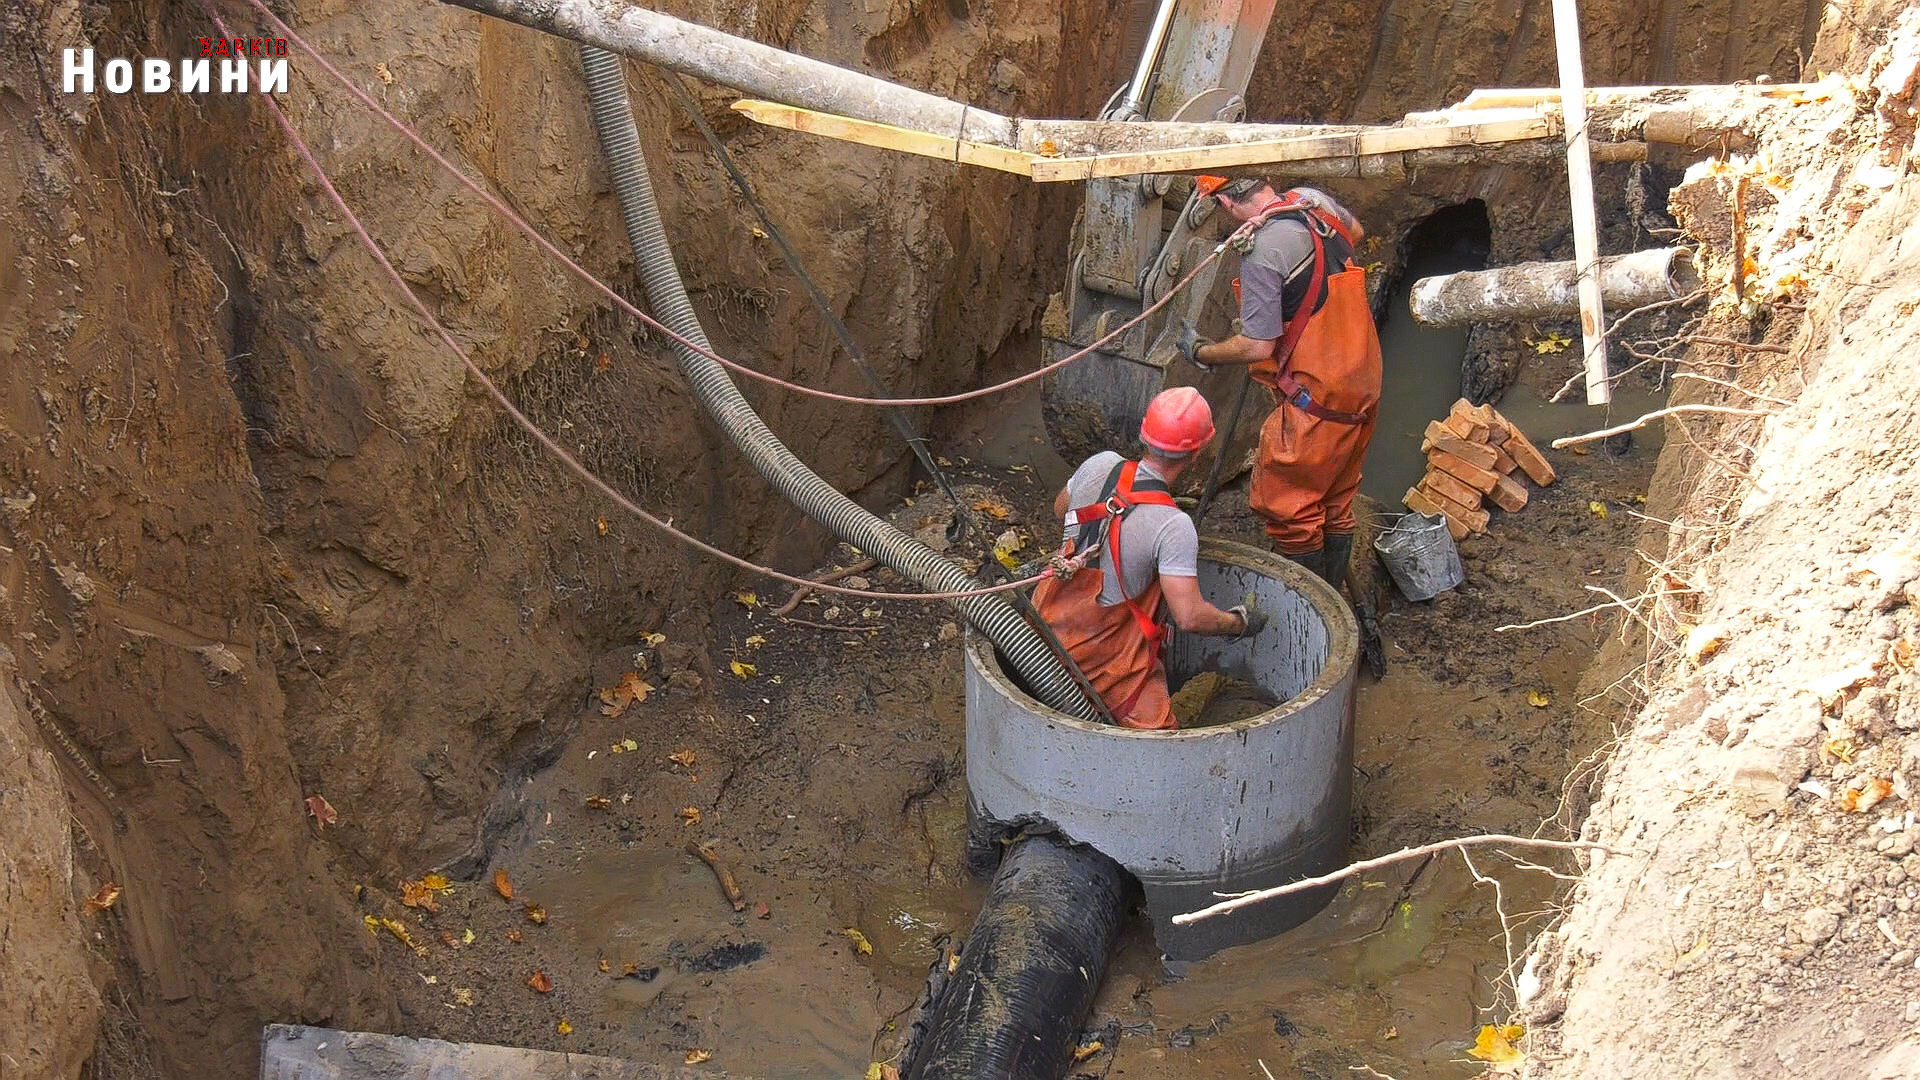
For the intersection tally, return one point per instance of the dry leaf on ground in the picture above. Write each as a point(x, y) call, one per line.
point(1087, 1051)
point(630, 690)
point(514, 937)
point(695, 1057)
point(1495, 1046)
point(682, 758)
point(1538, 700)
point(322, 811)
point(437, 883)
point(599, 802)
point(860, 943)
point(540, 982)
point(563, 1027)
point(103, 898)
point(1860, 800)
point(690, 815)
point(501, 885)
point(746, 600)
point(536, 914)
point(415, 894)
point(653, 641)
point(745, 671)
point(993, 508)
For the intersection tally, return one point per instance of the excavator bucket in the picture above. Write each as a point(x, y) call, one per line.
point(1138, 236)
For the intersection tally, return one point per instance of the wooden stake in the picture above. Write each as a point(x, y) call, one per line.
point(1586, 232)
point(727, 884)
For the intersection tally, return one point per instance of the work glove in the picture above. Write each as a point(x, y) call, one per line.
point(1252, 619)
point(1188, 342)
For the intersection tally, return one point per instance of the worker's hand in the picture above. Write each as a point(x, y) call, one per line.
point(1252, 618)
point(1188, 342)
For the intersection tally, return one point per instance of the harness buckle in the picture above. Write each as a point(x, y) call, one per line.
point(1300, 399)
point(1115, 506)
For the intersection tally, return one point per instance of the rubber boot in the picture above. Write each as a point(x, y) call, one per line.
point(1338, 551)
point(1315, 561)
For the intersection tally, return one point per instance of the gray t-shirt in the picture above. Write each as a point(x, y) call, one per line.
point(1153, 539)
point(1275, 274)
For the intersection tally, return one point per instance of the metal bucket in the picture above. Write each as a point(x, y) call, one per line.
point(1420, 555)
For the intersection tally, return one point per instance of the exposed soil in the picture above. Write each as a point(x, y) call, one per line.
point(262, 542)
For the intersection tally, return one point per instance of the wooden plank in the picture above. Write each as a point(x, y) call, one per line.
point(887, 137)
point(1508, 494)
point(1586, 230)
point(1528, 97)
point(1419, 501)
point(1362, 143)
point(1466, 472)
point(1479, 455)
point(1442, 484)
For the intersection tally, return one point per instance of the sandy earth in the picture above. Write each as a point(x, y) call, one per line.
point(261, 544)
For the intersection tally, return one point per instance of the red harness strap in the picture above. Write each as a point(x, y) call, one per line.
point(1285, 387)
point(1115, 509)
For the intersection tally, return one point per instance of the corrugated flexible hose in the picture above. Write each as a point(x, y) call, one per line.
point(1020, 646)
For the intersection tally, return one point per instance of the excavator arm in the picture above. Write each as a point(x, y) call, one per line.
point(1137, 235)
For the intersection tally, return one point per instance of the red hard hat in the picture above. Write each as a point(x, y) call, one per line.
point(1179, 420)
point(1207, 185)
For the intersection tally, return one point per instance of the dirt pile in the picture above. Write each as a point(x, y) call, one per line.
point(1760, 896)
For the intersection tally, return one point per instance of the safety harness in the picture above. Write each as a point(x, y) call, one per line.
point(1284, 386)
point(1118, 496)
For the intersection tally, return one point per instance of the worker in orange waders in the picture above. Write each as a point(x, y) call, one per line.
point(1307, 332)
point(1107, 614)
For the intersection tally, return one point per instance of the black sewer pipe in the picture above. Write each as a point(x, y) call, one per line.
point(1019, 644)
point(1027, 974)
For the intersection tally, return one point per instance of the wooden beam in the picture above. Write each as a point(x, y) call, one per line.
point(1357, 144)
point(1532, 97)
point(887, 137)
point(1586, 232)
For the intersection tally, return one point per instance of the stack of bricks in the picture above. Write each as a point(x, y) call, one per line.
point(1473, 455)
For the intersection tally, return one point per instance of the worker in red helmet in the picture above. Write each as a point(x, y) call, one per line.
point(1108, 614)
point(1308, 333)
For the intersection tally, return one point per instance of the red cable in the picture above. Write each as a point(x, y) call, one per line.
point(333, 195)
point(621, 302)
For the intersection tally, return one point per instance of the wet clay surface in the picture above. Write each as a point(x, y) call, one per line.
point(830, 782)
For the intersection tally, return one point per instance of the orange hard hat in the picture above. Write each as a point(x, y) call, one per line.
point(1178, 421)
point(1207, 185)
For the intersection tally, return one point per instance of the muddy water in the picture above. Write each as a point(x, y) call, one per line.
point(1420, 380)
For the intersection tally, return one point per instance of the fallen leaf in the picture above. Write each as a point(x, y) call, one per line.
point(1832, 689)
point(860, 943)
point(603, 965)
point(695, 1057)
point(746, 600)
point(599, 802)
point(514, 937)
point(653, 641)
point(446, 938)
point(500, 883)
point(463, 995)
point(1538, 700)
point(399, 931)
point(467, 937)
point(744, 671)
point(1087, 1051)
point(754, 641)
point(761, 910)
point(540, 982)
point(1866, 798)
point(1841, 750)
point(322, 811)
point(993, 508)
point(600, 526)
point(1495, 1046)
point(943, 463)
point(536, 914)
point(430, 980)
point(682, 758)
point(876, 1070)
point(1046, 149)
point(1598, 508)
point(1392, 1033)
point(1552, 343)
point(690, 815)
point(563, 1027)
point(626, 746)
point(437, 883)
point(415, 894)
point(630, 690)
point(103, 898)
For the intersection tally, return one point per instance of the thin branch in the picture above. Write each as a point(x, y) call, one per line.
point(1557, 618)
point(1596, 436)
point(823, 625)
point(1235, 901)
point(1731, 386)
point(1732, 344)
point(1499, 906)
point(800, 593)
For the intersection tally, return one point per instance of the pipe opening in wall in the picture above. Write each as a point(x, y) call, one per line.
point(1240, 805)
point(1421, 364)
